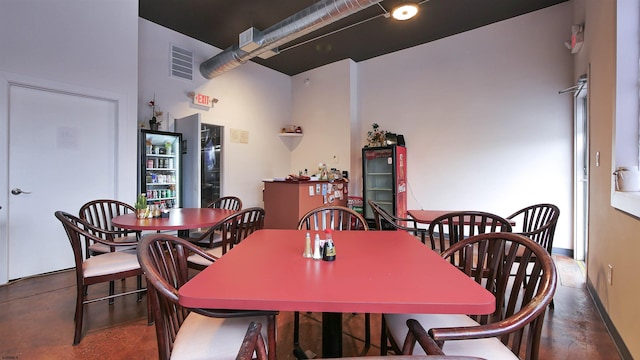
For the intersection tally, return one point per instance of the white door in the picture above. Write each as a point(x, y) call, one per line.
point(581, 172)
point(189, 126)
point(61, 154)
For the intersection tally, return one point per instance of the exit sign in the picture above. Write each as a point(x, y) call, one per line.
point(202, 99)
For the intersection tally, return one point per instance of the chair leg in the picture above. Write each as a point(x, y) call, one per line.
point(112, 289)
point(271, 336)
point(383, 336)
point(139, 286)
point(150, 318)
point(77, 336)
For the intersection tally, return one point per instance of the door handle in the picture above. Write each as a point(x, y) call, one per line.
point(18, 191)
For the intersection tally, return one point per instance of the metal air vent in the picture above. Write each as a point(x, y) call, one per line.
point(181, 65)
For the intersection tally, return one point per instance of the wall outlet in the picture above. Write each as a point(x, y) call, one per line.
point(610, 274)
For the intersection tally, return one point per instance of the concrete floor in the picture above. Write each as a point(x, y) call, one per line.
point(36, 317)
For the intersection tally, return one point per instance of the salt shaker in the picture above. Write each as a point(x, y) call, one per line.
point(316, 248)
point(307, 247)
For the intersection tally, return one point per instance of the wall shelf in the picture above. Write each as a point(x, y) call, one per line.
point(290, 135)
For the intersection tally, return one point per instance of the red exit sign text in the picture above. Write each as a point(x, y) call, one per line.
point(202, 99)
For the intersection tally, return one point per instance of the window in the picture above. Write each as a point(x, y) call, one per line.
point(627, 138)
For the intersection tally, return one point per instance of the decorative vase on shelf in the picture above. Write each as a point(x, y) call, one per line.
point(153, 123)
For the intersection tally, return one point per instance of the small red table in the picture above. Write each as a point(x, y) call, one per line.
point(374, 272)
point(181, 220)
point(427, 216)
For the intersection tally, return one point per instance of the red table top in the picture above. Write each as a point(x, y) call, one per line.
point(179, 219)
point(427, 216)
point(374, 271)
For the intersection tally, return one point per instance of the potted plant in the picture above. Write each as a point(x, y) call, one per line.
point(141, 206)
point(154, 123)
point(376, 137)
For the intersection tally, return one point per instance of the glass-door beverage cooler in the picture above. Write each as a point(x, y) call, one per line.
point(384, 171)
point(160, 167)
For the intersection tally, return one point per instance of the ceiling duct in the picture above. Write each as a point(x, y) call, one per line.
point(301, 23)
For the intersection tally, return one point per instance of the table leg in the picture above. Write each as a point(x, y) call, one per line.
point(331, 335)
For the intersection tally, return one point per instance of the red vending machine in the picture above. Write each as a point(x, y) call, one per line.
point(384, 171)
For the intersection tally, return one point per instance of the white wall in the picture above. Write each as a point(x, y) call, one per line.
point(322, 102)
point(484, 124)
point(85, 44)
point(251, 97)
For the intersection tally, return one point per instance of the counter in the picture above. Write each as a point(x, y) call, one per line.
point(285, 202)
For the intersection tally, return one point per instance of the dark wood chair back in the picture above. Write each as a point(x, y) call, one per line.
point(383, 220)
point(226, 202)
point(537, 222)
point(521, 296)
point(99, 214)
point(253, 348)
point(447, 229)
point(163, 259)
point(240, 225)
point(332, 217)
point(213, 233)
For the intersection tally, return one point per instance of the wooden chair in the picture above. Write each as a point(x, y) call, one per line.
point(447, 229)
point(253, 347)
point(537, 222)
point(382, 218)
point(233, 229)
point(520, 304)
point(99, 214)
point(215, 237)
point(336, 218)
point(106, 267)
point(332, 217)
point(186, 332)
point(226, 202)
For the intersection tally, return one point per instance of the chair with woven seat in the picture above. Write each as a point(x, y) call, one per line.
point(189, 333)
point(537, 222)
point(339, 218)
point(382, 217)
point(520, 304)
point(234, 228)
point(215, 237)
point(447, 229)
point(106, 267)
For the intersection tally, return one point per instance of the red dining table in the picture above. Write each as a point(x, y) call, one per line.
point(427, 216)
point(374, 272)
point(181, 220)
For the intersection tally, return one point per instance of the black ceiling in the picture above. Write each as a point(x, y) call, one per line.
point(219, 22)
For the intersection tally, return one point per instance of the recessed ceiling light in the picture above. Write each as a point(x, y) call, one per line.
point(405, 11)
